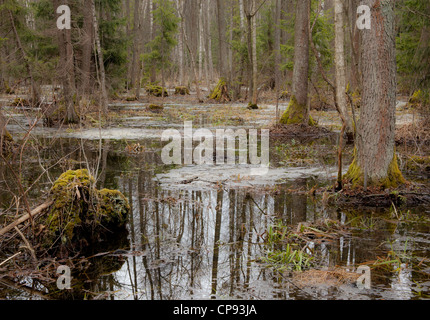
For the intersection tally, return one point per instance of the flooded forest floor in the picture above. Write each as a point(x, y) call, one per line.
point(202, 232)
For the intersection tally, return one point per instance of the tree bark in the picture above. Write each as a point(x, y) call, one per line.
point(87, 50)
point(340, 65)
point(35, 94)
point(254, 54)
point(104, 96)
point(297, 111)
point(375, 161)
point(135, 55)
point(221, 36)
point(66, 70)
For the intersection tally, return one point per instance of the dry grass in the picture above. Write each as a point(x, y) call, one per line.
point(333, 278)
point(414, 133)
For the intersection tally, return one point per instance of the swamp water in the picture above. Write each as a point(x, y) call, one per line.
point(192, 235)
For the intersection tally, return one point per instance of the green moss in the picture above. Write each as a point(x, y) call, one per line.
point(220, 93)
point(20, 102)
point(81, 212)
point(252, 106)
point(416, 98)
point(155, 108)
point(296, 113)
point(156, 91)
point(131, 98)
point(394, 177)
point(182, 90)
point(113, 207)
point(416, 163)
point(284, 95)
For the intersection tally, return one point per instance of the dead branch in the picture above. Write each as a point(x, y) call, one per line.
point(27, 216)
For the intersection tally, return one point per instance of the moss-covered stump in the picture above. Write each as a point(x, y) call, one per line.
point(20, 102)
point(181, 90)
point(81, 215)
point(220, 93)
point(296, 114)
point(156, 91)
point(155, 108)
point(131, 98)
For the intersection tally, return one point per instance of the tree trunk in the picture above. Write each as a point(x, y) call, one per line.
point(87, 50)
point(135, 55)
point(340, 65)
point(254, 55)
point(354, 33)
point(277, 54)
point(104, 97)
point(297, 111)
point(35, 94)
point(179, 7)
point(221, 36)
point(66, 71)
point(375, 160)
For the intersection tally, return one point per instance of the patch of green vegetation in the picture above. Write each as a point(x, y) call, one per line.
point(296, 113)
point(155, 108)
point(418, 163)
point(284, 253)
point(156, 91)
point(393, 180)
point(220, 93)
point(182, 90)
point(80, 212)
point(252, 106)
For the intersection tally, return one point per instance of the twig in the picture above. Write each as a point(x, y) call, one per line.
point(27, 244)
point(10, 258)
point(24, 218)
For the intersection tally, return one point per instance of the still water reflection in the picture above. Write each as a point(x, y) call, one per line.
point(185, 243)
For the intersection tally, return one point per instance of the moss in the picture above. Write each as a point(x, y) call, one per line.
point(113, 207)
point(81, 213)
point(182, 90)
point(155, 108)
point(131, 98)
point(296, 113)
point(7, 143)
point(285, 95)
point(417, 163)
point(7, 88)
point(416, 98)
point(20, 102)
point(156, 91)
point(252, 106)
point(220, 93)
point(394, 176)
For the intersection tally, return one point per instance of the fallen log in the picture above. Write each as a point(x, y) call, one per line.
point(25, 217)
